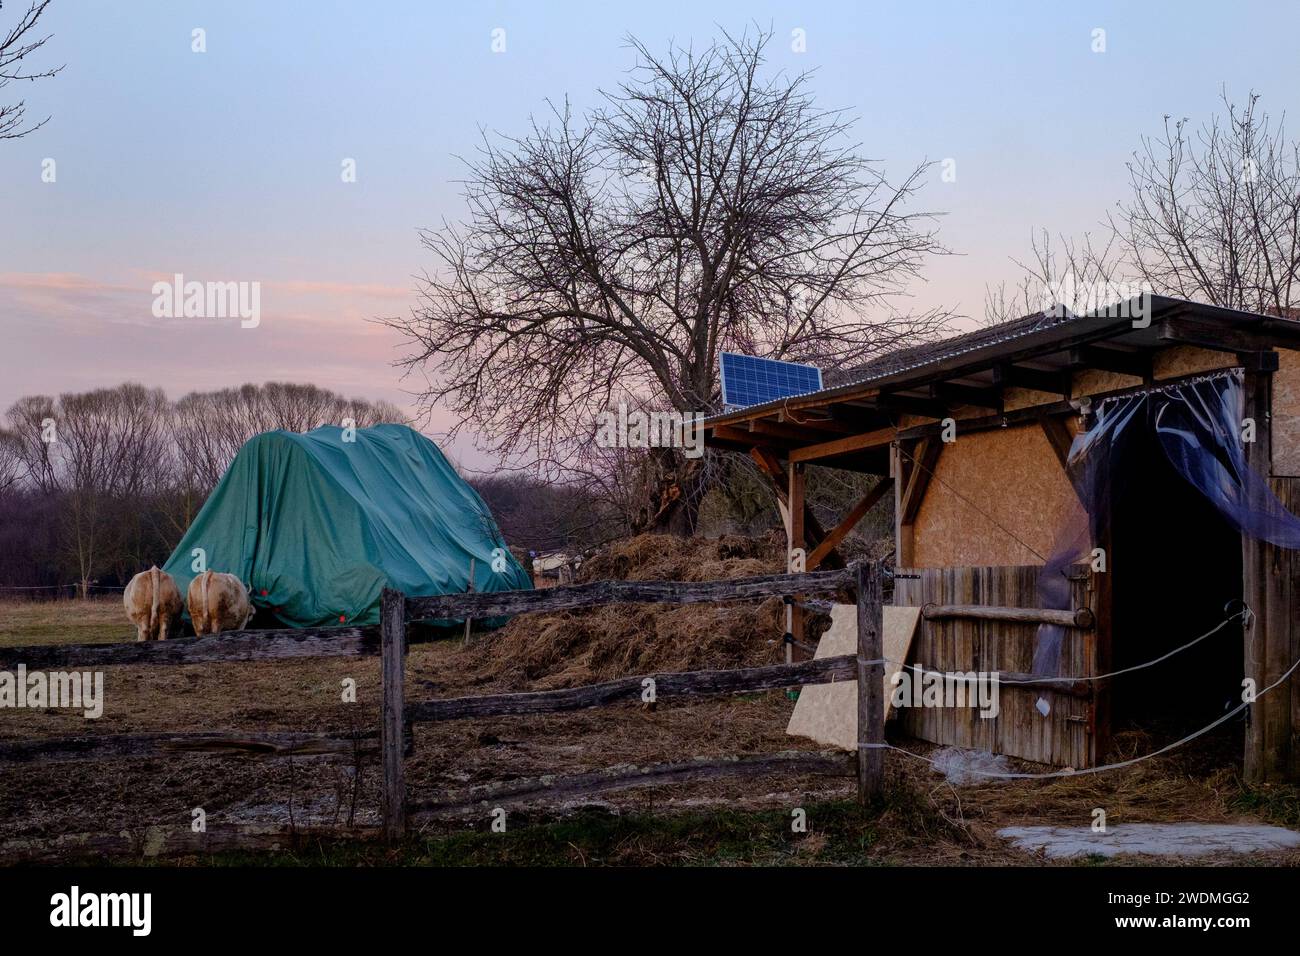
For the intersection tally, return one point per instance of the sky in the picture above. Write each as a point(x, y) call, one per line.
point(226, 165)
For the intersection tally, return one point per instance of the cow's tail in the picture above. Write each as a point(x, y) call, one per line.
point(203, 590)
point(153, 606)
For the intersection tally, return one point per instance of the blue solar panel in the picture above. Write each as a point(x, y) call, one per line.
point(747, 380)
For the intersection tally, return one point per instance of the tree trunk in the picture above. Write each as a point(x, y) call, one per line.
point(673, 490)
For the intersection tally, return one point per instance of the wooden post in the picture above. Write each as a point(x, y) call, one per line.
point(794, 616)
point(393, 714)
point(871, 682)
point(1258, 763)
point(469, 621)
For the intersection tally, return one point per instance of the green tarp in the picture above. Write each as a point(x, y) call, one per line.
point(317, 526)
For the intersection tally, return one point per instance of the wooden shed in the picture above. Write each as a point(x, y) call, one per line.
point(971, 436)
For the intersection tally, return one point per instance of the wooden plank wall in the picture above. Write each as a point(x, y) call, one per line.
point(1067, 736)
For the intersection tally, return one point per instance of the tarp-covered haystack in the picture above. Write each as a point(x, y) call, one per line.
point(317, 526)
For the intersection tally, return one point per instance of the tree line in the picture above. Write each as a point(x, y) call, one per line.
point(97, 485)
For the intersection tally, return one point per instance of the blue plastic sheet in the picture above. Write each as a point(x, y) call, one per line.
point(1199, 425)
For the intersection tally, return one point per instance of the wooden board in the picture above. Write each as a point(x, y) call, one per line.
point(827, 713)
point(992, 491)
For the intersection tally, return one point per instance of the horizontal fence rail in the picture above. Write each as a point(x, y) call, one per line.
point(624, 778)
point(667, 688)
point(228, 646)
point(1081, 618)
point(568, 597)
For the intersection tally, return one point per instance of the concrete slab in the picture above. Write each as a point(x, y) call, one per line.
point(1152, 839)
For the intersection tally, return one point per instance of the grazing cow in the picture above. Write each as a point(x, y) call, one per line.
point(218, 602)
point(152, 602)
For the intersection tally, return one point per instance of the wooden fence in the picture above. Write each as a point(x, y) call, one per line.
point(395, 740)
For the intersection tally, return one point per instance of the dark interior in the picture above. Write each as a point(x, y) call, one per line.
point(1176, 564)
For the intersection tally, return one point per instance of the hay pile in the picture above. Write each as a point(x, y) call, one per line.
point(569, 648)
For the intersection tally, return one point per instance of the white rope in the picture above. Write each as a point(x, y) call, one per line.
point(1104, 767)
point(1127, 670)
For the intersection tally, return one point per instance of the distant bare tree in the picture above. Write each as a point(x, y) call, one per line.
point(110, 444)
point(11, 460)
point(1051, 277)
point(210, 427)
point(29, 418)
point(704, 207)
point(15, 46)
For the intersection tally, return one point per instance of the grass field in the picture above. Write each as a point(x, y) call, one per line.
point(100, 620)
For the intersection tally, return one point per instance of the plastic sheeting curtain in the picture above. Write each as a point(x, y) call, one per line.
point(1199, 426)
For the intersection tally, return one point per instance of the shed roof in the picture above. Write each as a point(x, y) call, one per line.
point(1038, 351)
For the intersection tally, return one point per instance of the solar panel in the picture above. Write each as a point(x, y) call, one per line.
point(747, 380)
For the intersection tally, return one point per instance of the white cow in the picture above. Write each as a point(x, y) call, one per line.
point(152, 602)
point(218, 602)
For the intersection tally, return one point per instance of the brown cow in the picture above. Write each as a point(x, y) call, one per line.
point(218, 602)
point(152, 602)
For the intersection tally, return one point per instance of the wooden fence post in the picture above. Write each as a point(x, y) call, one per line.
point(871, 682)
point(393, 715)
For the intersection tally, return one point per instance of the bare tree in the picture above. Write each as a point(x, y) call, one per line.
point(703, 207)
point(15, 46)
point(1213, 216)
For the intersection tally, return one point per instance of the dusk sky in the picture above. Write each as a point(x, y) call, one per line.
point(225, 165)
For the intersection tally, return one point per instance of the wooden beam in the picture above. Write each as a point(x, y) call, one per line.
point(744, 437)
point(791, 433)
point(842, 446)
point(912, 405)
point(925, 457)
point(1058, 434)
point(1214, 336)
point(952, 394)
point(858, 512)
point(818, 419)
point(668, 688)
point(1039, 380)
point(1137, 364)
point(899, 468)
point(967, 426)
point(813, 532)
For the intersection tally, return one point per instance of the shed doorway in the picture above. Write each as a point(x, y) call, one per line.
point(1176, 568)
